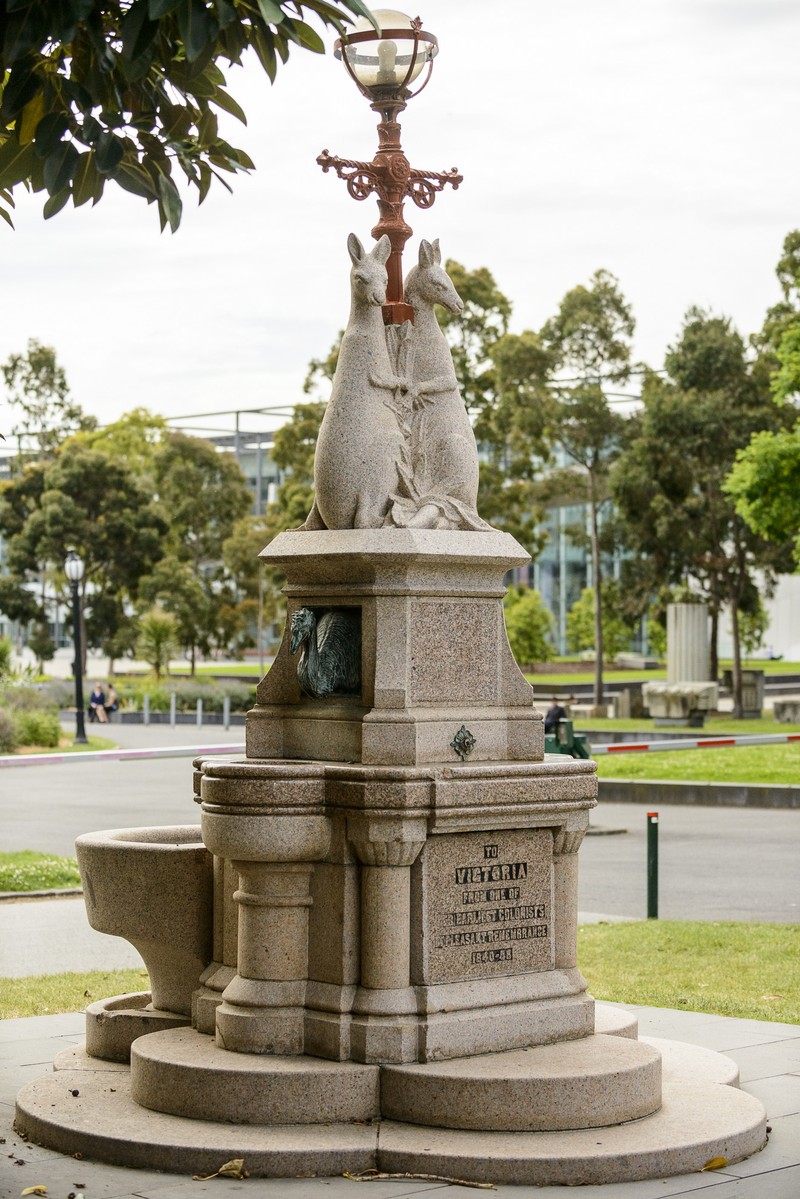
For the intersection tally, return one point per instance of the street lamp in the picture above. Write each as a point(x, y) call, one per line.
point(382, 65)
point(73, 569)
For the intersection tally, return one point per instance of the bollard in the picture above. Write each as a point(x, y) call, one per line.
point(146, 710)
point(652, 865)
point(199, 713)
point(226, 711)
point(173, 708)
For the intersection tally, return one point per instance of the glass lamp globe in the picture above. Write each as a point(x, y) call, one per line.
point(73, 566)
point(383, 62)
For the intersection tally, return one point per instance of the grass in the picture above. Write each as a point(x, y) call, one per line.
point(776, 765)
point(67, 746)
point(562, 681)
point(732, 969)
point(747, 970)
point(28, 870)
point(50, 994)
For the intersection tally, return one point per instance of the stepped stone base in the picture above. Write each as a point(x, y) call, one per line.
point(702, 1114)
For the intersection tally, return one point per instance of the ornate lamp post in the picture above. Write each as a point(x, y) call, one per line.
point(382, 66)
point(73, 569)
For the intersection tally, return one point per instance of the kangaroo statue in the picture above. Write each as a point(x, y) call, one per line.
point(439, 489)
point(360, 440)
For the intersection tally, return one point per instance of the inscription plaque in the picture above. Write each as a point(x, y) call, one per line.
point(489, 904)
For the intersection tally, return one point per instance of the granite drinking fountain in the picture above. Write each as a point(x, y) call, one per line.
point(365, 956)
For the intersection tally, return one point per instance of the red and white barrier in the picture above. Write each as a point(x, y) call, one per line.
point(639, 747)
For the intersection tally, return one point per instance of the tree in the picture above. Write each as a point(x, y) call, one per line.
point(581, 628)
point(201, 493)
point(764, 485)
point(764, 482)
point(668, 482)
point(157, 640)
point(92, 501)
point(92, 92)
point(41, 644)
point(178, 590)
point(529, 625)
point(590, 337)
point(38, 386)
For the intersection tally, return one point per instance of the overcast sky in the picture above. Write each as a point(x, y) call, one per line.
point(654, 138)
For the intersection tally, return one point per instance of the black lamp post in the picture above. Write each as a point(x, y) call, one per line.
point(73, 569)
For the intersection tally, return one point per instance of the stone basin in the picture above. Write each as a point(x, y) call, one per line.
point(154, 888)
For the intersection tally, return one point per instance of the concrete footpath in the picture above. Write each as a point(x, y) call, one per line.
point(768, 1056)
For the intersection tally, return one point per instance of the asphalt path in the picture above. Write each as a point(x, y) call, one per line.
point(715, 863)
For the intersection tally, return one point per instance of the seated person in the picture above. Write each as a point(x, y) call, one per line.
point(97, 704)
point(111, 702)
point(552, 716)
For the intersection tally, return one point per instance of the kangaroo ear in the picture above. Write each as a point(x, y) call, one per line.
point(382, 249)
point(437, 253)
point(355, 248)
point(427, 255)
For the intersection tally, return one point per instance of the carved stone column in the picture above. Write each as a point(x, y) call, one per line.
point(384, 1028)
point(566, 843)
point(267, 820)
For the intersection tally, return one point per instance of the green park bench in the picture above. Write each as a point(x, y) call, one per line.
point(566, 741)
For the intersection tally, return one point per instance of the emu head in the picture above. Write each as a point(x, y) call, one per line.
point(303, 625)
point(368, 277)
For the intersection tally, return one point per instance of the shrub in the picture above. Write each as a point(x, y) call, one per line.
point(38, 728)
point(9, 736)
point(27, 697)
point(529, 624)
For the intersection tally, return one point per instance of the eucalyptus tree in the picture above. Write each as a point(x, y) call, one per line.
point(589, 339)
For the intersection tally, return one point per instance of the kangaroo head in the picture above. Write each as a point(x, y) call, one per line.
point(368, 276)
point(430, 282)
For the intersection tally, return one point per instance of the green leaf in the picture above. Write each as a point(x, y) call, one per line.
point(207, 128)
point(160, 8)
point(15, 162)
point(134, 179)
point(266, 53)
point(59, 167)
point(196, 26)
point(84, 181)
point(305, 36)
point(49, 133)
point(21, 86)
point(205, 181)
point(108, 152)
point(170, 201)
point(272, 13)
point(223, 100)
point(6, 217)
point(25, 31)
point(137, 30)
point(56, 203)
point(32, 114)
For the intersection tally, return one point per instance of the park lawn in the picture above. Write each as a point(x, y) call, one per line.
point(67, 746)
point(746, 970)
point(775, 765)
point(29, 870)
point(51, 994)
point(731, 969)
